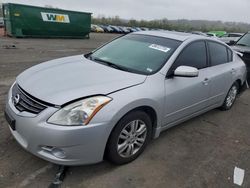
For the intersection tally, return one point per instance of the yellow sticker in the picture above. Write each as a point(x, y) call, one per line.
point(16, 14)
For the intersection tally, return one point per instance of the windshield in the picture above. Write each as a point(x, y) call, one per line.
point(245, 40)
point(141, 54)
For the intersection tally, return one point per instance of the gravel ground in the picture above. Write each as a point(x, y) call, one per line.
point(202, 152)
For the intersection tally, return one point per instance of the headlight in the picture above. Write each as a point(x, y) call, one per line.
point(80, 112)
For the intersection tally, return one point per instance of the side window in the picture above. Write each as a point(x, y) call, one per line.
point(218, 53)
point(194, 55)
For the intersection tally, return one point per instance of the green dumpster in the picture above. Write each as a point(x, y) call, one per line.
point(30, 21)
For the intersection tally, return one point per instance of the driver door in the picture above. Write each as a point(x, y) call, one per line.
point(186, 96)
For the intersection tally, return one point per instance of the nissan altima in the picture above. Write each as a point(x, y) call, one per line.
point(111, 102)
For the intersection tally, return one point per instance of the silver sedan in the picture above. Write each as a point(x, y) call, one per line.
point(114, 100)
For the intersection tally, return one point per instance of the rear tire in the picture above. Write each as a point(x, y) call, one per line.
point(231, 97)
point(129, 138)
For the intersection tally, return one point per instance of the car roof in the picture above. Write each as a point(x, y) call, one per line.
point(180, 36)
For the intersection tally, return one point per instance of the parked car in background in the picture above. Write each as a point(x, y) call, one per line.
point(144, 29)
point(114, 100)
point(1, 22)
point(199, 33)
point(107, 29)
point(116, 29)
point(217, 33)
point(131, 29)
point(138, 29)
point(211, 35)
point(96, 28)
point(243, 46)
point(124, 29)
point(227, 38)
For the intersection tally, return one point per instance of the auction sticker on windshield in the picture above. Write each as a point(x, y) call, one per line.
point(159, 47)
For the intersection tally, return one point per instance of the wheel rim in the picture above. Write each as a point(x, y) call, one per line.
point(231, 96)
point(131, 138)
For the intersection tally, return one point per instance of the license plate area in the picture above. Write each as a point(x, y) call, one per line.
point(10, 120)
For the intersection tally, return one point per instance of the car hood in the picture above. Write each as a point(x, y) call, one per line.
point(63, 80)
point(242, 49)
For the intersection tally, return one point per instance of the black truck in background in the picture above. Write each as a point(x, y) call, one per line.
point(243, 46)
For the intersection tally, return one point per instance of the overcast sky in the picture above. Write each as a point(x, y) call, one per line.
point(225, 10)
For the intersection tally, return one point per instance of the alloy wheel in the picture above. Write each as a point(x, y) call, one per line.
point(231, 96)
point(131, 138)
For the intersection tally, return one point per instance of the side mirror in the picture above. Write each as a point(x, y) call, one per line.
point(186, 71)
point(231, 42)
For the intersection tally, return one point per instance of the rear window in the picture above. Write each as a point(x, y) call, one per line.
point(218, 53)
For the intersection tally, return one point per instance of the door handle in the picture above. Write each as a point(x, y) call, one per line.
point(205, 81)
point(233, 71)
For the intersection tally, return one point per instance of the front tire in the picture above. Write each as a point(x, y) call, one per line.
point(231, 97)
point(129, 138)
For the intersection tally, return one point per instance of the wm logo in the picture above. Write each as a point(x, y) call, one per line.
point(52, 17)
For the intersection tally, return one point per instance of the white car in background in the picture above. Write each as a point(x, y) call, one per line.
point(211, 35)
point(231, 37)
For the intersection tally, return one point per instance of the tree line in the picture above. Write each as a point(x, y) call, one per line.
point(177, 25)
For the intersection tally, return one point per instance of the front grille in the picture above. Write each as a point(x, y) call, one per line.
point(25, 102)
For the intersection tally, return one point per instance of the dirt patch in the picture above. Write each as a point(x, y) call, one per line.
point(1, 32)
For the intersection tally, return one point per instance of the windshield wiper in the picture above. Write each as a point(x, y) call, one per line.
point(110, 64)
point(88, 55)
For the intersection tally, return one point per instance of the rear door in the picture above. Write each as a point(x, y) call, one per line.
point(221, 71)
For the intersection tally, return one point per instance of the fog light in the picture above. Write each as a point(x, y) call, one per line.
point(59, 153)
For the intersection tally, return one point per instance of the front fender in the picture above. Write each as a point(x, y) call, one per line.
point(129, 99)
